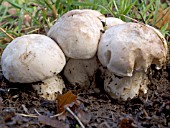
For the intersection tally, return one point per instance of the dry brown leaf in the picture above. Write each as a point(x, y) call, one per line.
point(127, 123)
point(52, 122)
point(64, 100)
point(163, 18)
point(11, 11)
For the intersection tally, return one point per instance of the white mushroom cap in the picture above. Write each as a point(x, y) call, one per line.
point(112, 21)
point(125, 87)
point(32, 58)
point(77, 32)
point(50, 88)
point(95, 13)
point(127, 47)
point(81, 72)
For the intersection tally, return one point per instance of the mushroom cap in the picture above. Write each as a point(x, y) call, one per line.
point(127, 47)
point(81, 72)
point(122, 88)
point(95, 13)
point(50, 88)
point(32, 58)
point(111, 21)
point(77, 32)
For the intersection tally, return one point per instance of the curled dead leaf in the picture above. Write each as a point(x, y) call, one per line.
point(65, 99)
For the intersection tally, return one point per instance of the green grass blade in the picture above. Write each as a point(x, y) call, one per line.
point(156, 11)
point(20, 21)
point(14, 4)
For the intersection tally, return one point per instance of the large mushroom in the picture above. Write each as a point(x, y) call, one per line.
point(33, 58)
point(78, 33)
point(128, 50)
point(81, 72)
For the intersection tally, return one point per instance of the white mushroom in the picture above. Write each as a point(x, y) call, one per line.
point(111, 21)
point(32, 58)
point(81, 72)
point(128, 50)
point(77, 32)
point(127, 47)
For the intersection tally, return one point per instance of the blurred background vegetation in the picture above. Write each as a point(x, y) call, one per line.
point(19, 17)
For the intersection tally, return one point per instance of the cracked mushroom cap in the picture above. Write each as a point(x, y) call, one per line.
point(32, 58)
point(122, 88)
point(77, 32)
point(81, 72)
point(127, 47)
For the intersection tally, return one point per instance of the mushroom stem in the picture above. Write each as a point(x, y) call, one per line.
point(50, 87)
point(126, 87)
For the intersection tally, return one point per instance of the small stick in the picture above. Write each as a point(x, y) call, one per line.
point(146, 114)
point(37, 112)
point(69, 110)
point(20, 114)
point(59, 114)
point(25, 109)
point(1, 29)
point(134, 20)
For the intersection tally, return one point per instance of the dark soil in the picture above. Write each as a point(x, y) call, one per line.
point(151, 110)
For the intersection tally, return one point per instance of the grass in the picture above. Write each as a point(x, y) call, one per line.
point(36, 16)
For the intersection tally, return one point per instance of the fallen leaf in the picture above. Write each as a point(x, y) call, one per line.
point(163, 18)
point(127, 123)
point(7, 114)
point(69, 100)
point(11, 11)
point(65, 99)
point(52, 122)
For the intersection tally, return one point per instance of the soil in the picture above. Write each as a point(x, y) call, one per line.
point(20, 107)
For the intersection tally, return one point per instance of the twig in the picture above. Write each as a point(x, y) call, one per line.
point(1, 29)
point(30, 115)
point(25, 109)
point(146, 114)
point(59, 114)
point(37, 112)
point(52, 6)
point(134, 20)
point(69, 110)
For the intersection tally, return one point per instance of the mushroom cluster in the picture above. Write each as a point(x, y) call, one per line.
point(123, 52)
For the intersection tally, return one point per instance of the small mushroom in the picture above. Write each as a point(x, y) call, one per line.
point(111, 21)
point(78, 33)
point(32, 58)
point(81, 72)
point(128, 50)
